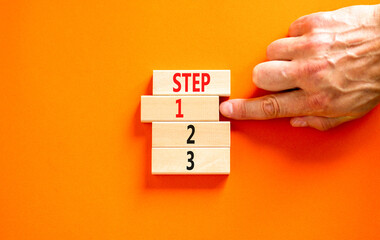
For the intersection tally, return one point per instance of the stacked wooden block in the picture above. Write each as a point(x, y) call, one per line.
point(187, 137)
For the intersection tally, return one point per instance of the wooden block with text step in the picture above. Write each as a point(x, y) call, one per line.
point(179, 108)
point(191, 82)
point(190, 160)
point(191, 134)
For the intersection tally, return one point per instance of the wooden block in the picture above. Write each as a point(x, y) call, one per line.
point(192, 82)
point(179, 108)
point(190, 161)
point(191, 134)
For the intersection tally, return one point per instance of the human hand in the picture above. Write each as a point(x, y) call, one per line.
point(330, 59)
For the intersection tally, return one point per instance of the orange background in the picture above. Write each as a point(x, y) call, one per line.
point(75, 159)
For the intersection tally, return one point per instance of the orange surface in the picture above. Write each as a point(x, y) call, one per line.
point(75, 159)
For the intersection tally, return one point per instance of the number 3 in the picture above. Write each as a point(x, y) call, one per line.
point(190, 160)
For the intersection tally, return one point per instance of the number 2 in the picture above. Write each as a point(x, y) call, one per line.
point(190, 160)
point(189, 140)
point(179, 114)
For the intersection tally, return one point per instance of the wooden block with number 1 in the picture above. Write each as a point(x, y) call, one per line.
point(179, 108)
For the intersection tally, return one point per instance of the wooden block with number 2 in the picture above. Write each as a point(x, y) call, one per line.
point(191, 134)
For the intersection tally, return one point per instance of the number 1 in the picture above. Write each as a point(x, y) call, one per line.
point(179, 114)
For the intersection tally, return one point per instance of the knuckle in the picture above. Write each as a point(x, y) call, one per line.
point(311, 22)
point(324, 125)
point(243, 110)
point(323, 16)
point(313, 69)
point(314, 42)
point(270, 106)
point(318, 102)
point(317, 42)
point(317, 19)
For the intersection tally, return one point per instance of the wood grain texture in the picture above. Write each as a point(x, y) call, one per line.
point(193, 108)
point(175, 160)
point(205, 134)
point(219, 82)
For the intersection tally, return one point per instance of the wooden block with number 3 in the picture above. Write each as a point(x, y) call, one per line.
point(179, 108)
point(191, 134)
point(190, 160)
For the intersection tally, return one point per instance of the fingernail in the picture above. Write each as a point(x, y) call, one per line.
point(299, 123)
point(226, 109)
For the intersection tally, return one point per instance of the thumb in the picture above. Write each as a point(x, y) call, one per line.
point(320, 123)
point(247, 109)
point(279, 105)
